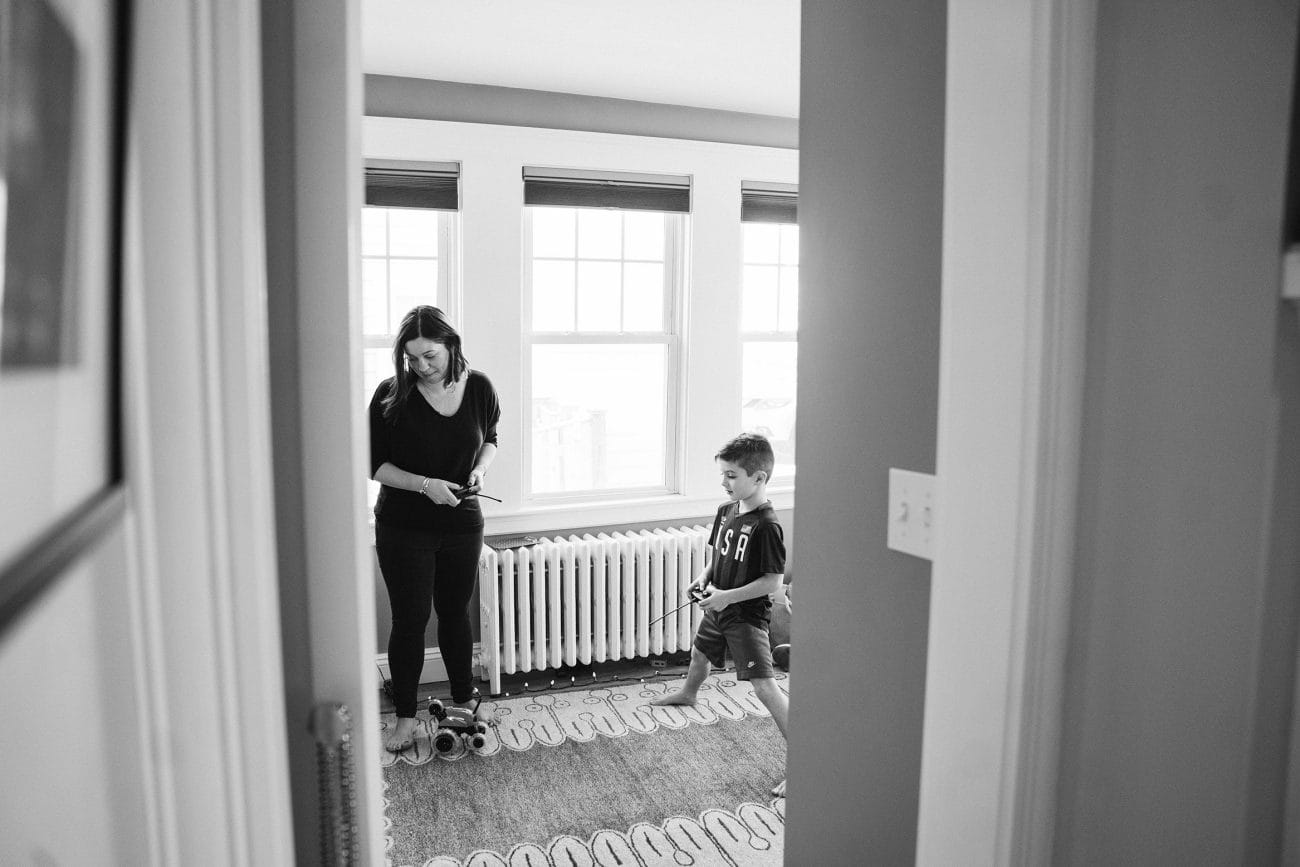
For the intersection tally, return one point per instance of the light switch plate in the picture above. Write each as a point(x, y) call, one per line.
point(911, 513)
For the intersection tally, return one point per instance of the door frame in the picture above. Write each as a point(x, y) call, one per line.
point(1017, 158)
point(1017, 199)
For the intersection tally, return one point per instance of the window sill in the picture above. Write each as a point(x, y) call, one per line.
point(561, 519)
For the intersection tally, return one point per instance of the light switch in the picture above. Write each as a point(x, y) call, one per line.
point(911, 513)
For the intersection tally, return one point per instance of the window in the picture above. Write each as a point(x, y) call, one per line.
point(604, 270)
point(408, 254)
point(408, 257)
point(770, 318)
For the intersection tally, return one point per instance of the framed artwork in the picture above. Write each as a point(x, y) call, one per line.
point(63, 77)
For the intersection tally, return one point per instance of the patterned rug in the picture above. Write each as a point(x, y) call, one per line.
point(595, 777)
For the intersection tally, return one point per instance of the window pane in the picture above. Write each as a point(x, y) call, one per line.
point(643, 235)
point(789, 319)
point(553, 296)
point(553, 230)
point(600, 234)
point(759, 295)
point(374, 296)
point(768, 396)
point(598, 296)
point(761, 243)
point(412, 232)
point(599, 417)
point(789, 244)
point(374, 232)
point(410, 282)
point(643, 297)
point(378, 367)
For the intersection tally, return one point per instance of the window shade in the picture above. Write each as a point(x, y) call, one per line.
point(570, 188)
point(769, 202)
point(392, 184)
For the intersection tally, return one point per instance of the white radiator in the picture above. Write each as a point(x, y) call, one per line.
point(571, 601)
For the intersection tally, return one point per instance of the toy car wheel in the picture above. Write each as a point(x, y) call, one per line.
point(436, 710)
point(478, 742)
point(444, 742)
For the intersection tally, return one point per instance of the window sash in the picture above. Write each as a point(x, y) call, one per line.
point(671, 337)
point(781, 480)
point(448, 282)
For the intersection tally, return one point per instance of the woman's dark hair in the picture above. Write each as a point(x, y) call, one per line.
point(430, 323)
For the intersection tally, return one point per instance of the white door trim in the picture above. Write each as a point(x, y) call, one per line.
point(326, 109)
point(1017, 187)
point(204, 604)
point(227, 48)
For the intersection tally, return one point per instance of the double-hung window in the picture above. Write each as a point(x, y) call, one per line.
point(770, 317)
point(604, 257)
point(408, 256)
point(408, 253)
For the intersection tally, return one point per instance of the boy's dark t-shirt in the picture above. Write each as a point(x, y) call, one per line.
point(420, 440)
point(745, 548)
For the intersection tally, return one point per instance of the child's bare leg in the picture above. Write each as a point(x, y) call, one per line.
point(773, 699)
point(778, 706)
point(699, 669)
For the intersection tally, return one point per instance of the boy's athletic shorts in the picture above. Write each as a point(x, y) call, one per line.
point(750, 647)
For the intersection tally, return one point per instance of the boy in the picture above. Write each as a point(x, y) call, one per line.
point(745, 570)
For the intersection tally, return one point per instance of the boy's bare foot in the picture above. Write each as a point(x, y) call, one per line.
point(676, 698)
point(779, 789)
point(401, 736)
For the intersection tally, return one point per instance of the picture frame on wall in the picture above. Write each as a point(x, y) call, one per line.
point(63, 94)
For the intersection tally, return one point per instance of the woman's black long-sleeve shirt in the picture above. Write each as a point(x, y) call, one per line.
point(420, 440)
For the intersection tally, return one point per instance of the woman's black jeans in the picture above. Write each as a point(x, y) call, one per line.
point(422, 570)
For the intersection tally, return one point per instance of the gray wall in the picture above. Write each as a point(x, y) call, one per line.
point(1182, 658)
point(870, 213)
point(393, 96)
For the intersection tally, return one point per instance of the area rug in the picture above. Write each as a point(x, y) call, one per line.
point(596, 777)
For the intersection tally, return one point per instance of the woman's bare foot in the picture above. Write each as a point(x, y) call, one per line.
point(681, 697)
point(401, 736)
point(779, 789)
point(482, 711)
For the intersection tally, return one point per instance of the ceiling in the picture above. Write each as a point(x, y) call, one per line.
point(736, 55)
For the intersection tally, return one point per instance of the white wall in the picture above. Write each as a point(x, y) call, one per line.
point(143, 715)
point(492, 158)
point(73, 740)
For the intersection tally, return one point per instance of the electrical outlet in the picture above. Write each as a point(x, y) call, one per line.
point(911, 513)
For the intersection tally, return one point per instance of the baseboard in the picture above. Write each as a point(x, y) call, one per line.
point(434, 670)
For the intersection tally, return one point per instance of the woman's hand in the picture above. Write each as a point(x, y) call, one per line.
point(475, 479)
point(440, 492)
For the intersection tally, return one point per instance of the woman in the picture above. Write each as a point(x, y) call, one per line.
point(433, 434)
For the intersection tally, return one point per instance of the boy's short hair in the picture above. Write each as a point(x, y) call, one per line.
point(749, 451)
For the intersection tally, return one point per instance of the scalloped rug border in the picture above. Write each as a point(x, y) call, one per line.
point(751, 836)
